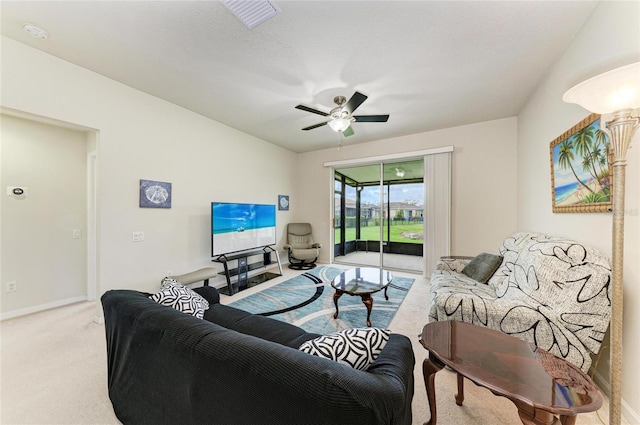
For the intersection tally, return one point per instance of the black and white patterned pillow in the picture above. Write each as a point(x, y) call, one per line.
point(168, 281)
point(357, 348)
point(175, 294)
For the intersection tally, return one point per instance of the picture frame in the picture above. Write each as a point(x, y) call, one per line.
point(581, 172)
point(155, 194)
point(283, 202)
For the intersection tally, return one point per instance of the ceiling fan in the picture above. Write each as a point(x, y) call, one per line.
point(340, 117)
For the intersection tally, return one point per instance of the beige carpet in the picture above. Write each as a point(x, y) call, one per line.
point(53, 370)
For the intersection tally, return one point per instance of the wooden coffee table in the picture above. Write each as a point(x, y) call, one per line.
point(361, 281)
point(540, 384)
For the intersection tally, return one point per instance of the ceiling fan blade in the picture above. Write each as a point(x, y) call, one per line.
point(348, 132)
point(312, 110)
point(371, 118)
point(311, 127)
point(353, 103)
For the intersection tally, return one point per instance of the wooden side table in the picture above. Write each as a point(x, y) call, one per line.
point(540, 384)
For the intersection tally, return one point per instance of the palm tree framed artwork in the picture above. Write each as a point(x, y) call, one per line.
point(581, 169)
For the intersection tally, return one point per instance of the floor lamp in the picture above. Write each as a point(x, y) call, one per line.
point(616, 96)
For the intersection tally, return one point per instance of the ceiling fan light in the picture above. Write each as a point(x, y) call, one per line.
point(339, 125)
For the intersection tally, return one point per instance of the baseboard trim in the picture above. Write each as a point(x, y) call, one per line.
point(602, 383)
point(35, 309)
point(629, 414)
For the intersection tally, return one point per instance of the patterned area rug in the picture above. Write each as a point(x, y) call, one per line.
point(307, 301)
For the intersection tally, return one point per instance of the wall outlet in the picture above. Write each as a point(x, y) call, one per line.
point(11, 286)
point(138, 236)
point(77, 234)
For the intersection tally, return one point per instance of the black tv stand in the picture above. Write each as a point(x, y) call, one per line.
point(243, 268)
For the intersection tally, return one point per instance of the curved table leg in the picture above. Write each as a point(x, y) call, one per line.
point(336, 297)
point(368, 302)
point(429, 369)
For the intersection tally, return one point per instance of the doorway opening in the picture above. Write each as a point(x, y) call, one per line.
point(58, 161)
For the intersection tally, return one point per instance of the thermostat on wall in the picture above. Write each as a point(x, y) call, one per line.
point(17, 191)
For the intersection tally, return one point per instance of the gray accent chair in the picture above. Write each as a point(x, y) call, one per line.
point(303, 251)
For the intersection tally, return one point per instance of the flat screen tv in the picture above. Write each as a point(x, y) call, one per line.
point(240, 227)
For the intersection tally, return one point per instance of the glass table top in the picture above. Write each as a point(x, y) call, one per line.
point(362, 280)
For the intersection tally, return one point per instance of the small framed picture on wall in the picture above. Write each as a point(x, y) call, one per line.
point(283, 202)
point(155, 194)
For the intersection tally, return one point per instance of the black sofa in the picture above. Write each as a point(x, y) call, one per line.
point(232, 367)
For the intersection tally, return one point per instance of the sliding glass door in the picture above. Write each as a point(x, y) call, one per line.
point(381, 215)
point(357, 203)
point(404, 227)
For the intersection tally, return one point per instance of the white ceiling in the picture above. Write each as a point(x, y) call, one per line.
point(428, 64)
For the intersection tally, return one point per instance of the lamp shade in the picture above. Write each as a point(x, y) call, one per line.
point(609, 92)
point(339, 124)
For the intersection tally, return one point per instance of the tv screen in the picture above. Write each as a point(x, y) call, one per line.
point(239, 227)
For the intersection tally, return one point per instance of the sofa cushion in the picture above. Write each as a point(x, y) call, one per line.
point(176, 295)
point(482, 267)
point(455, 296)
point(262, 327)
point(357, 348)
point(300, 242)
point(209, 293)
point(509, 250)
point(568, 278)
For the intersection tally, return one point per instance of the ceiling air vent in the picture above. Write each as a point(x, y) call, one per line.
point(252, 12)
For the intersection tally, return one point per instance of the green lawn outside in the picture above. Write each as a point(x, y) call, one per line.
point(372, 233)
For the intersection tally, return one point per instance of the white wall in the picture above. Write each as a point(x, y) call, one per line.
point(39, 251)
point(143, 137)
point(483, 182)
point(610, 38)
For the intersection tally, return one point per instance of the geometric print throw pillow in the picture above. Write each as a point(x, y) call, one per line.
point(357, 348)
point(175, 294)
point(167, 281)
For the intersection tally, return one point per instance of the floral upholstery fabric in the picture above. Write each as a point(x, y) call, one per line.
point(550, 291)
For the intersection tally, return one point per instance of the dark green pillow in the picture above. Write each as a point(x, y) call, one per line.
point(482, 267)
